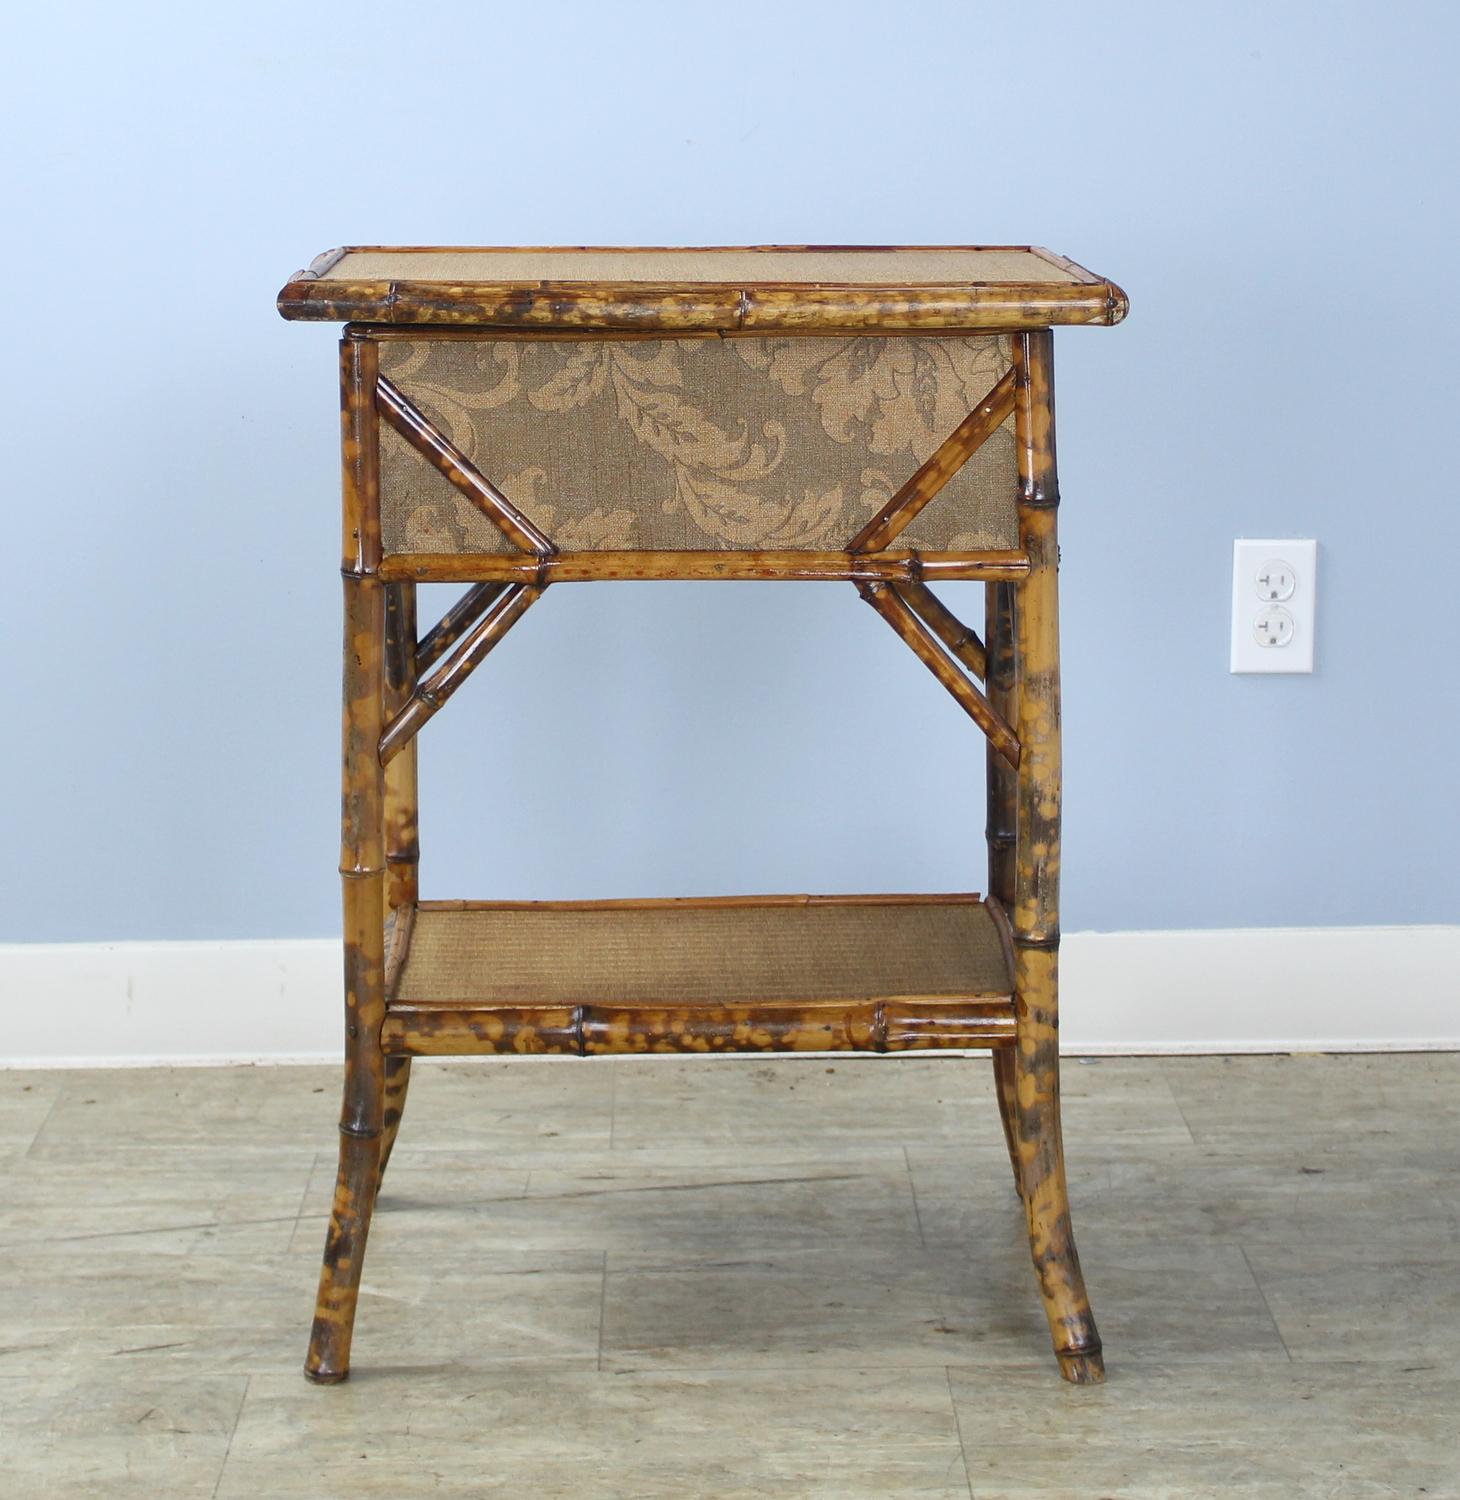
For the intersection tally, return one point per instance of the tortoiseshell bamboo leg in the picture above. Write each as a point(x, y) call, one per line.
point(363, 873)
point(397, 1082)
point(1035, 915)
point(1000, 826)
point(1003, 1061)
point(402, 831)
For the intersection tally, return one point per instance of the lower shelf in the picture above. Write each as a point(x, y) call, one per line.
point(739, 974)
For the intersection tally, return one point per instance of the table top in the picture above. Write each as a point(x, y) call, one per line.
point(716, 290)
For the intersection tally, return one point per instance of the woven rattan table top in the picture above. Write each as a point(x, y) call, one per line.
point(747, 289)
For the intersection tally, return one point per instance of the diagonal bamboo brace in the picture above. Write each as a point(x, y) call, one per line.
point(889, 604)
point(959, 638)
point(951, 455)
point(432, 693)
point(457, 620)
point(451, 463)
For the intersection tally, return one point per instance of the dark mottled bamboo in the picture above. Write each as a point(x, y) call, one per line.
point(1035, 915)
point(402, 825)
point(893, 1024)
point(360, 545)
point(1000, 827)
point(662, 903)
point(434, 691)
point(955, 451)
point(752, 307)
point(396, 1086)
point(959, 638)
point(363, 872)
point(457, 620)
point(589, 567)
point(451, 463)
point(925, 647)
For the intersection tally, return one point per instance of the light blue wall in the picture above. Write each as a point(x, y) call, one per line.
point(1272, 183)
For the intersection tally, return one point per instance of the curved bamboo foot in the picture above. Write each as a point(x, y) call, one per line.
point(1004, 1093)
point(1082, 1369)
point(1042, 1161)
point(397, 1082)
point(328, 1360)
point(1061, 1282)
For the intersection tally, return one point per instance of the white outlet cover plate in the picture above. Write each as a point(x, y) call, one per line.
point(1250, 560)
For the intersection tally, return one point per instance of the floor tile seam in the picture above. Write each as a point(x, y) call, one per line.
point(45, 1120)
point(958, 1428)
point(233, 1433)
point(119, 1234)
point(912, 1188)
point(1165, 1077)
point(602, 1308)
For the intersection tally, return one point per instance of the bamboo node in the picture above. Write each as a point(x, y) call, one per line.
point(1047, 943)
point(1040, 496)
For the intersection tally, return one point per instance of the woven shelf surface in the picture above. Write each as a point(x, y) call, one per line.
point(685, 954)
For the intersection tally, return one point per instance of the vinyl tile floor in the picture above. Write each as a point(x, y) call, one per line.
point(735, 1277)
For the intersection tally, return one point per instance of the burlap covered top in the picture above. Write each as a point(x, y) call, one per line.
point(950, 266)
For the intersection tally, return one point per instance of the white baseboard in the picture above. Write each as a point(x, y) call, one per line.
point(1243, 990)
point(188, 1003)
point(1261, 989)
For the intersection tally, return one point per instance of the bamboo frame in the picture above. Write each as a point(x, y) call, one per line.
point(1001, 827)
point(890, 605)
point(792, 566)
point(959, 638)
point(889, 1023)
point(433, 693)
point(393, 683)
point(729, 309)
point(402, 833)
point(670, 903)
point(1035, 914)
point(455, 623)
point(362, 871)
point(981, 1018)
point(950, 456)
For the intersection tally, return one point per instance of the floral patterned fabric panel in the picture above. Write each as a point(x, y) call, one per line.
point(697, 444)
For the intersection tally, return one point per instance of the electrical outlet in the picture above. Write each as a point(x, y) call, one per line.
point(1274, 589)
point(1276, 580)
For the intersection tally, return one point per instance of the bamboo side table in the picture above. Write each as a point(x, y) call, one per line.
point(517, 418)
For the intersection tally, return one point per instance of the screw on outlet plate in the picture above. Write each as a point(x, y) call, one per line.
point(1275, 627)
